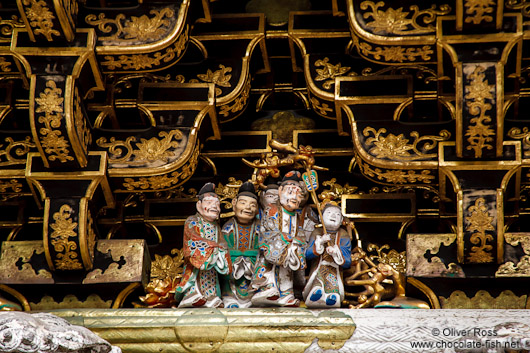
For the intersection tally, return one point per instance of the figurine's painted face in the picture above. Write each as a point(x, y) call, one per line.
point(269, 196)
point(332, 217)
point(209, 207)
point(291, 196)
point(245, 209)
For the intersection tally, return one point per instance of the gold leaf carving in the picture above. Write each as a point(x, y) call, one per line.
point(140, 28)
point(396, 22)
point(335, 190)
point(515, 239)
point(4, 65)
point(7, 26)
point(483, 300)
point(479, 222)
point(237, 104)
point(323, 108)
point(50, 102)
point(81, 124)
point(41, 17)
point(166, 272)
point(524, 135)
point(12, 184)
point(398, 148)
point(480, 9)
point(64, 229)
point(330, 71)
point(510, 269)
point(397, 53)
point(476, 94)
point(218, 77)
point(154, 149)
point(397, 260)
point(397, 176)
point(147, 61)
point(20, 148)
point(93, 301)
point(164, 181)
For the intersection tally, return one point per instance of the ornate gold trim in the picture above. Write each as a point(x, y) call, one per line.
point(397, 147)
point(51, 103)
point(135, 28)
point(479, 222)
point(478, 10)
point(39, 17)
point(478, 91)
point(151, 61)
point(396, 22)
point(164, 181)
point(63, 229)
point(146, 151)
point(395, 176)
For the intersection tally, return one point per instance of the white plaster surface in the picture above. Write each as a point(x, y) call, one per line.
point(445, 331)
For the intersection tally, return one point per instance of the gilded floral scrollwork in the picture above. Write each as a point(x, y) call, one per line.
point(140, 28)
point(479, 222)
point(237, 104)
point(323, 108)
point(165, 181)
point(396, 53)
point(477, 92)
point(154, 149)
point(228, 192)
point(397, 22)
point(521, 134)
point(147, 61)
point(40, 16)
point(480, 9)
point(330, 71)
point(20, 148)
point(81, 124)
point(4, 65)
point(397, 176)
point(64, 229)
point(398, 147)
point(13, 184)
point(7, 26)
point(219, 78)
point(335, 190)
point(398, 260)
point(50, 102)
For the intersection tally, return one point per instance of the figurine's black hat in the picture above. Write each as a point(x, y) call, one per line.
point(272, 183)
point(247, 189)
point(208, 188)
point(293, 175)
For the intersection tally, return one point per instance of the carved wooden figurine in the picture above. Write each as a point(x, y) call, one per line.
point(329, 253)
point(282, 248)
point(240, 235)
point(205, 258)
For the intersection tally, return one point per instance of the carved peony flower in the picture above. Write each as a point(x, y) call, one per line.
point(389, 21)
point(391, 146)
point(50, 101)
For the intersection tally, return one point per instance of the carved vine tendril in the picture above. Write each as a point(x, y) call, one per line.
point(398, 148)
point(154, 149)
point(50, 103)
point(480, 222)
point(140, 28)
point(394, 21)
point(476, 95)
point(64, 229)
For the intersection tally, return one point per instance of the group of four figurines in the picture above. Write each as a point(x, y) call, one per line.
point(260, 254)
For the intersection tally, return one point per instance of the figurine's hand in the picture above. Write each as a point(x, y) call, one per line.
point(211, 261)
point(335, 252)
point(293, 262)
point(319, 243)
